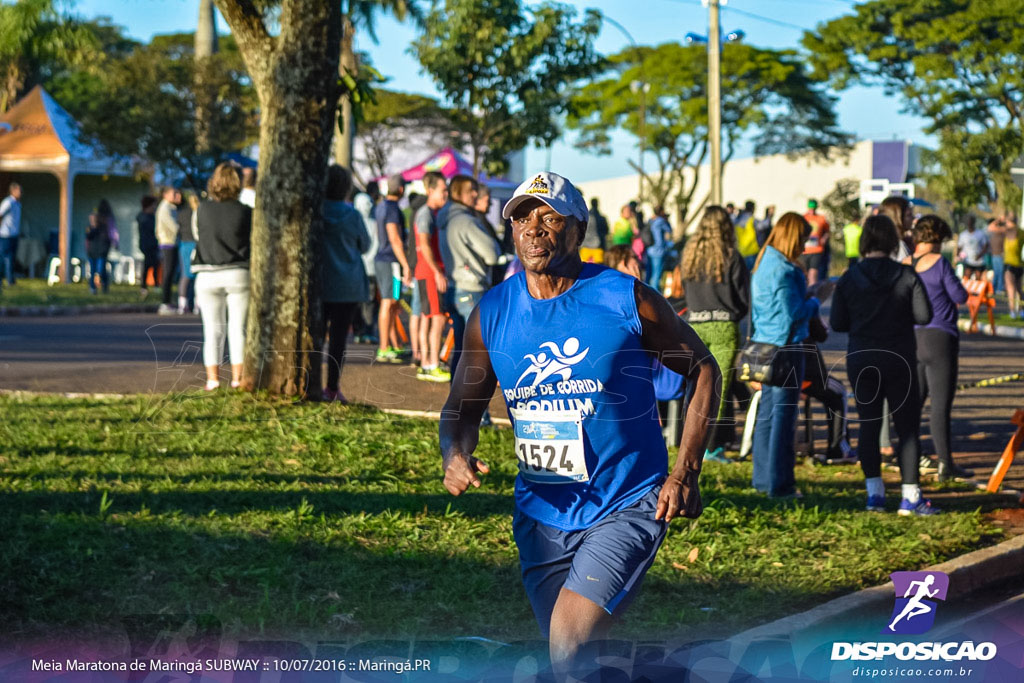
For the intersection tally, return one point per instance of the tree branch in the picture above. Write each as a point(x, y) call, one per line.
point(246, 23)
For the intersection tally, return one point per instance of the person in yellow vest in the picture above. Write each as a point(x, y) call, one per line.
point(746, 235)
point(851, 237)
point(1012, 270)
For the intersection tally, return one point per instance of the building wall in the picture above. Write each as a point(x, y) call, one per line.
point(777, 179)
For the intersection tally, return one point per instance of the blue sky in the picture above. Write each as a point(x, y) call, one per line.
point(868, 113)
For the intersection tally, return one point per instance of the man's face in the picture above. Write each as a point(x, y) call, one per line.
point(437, 195)
point(16, 192)
point(483, 203)
point(542, 236)
point(469, 196)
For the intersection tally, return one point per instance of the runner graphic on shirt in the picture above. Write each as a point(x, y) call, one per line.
point(542, 366)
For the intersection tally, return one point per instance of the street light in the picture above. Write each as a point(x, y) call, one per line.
point(641, 87)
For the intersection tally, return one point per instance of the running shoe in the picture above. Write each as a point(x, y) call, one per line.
point(423, 374)
point(921, 508)
point(717, 455)
point(388, 356)
point(439, 375)
point(166, 310)
point(926, 464)
point(952, 471)
point(876, 504)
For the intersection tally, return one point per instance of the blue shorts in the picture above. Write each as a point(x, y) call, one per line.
point(605, 563)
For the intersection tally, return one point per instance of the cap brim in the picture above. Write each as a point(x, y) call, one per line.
point(562, 208)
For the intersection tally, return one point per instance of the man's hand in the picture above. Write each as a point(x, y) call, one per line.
point(460, 473)
point(406, 274)
point(441, 281)
point(679, 497)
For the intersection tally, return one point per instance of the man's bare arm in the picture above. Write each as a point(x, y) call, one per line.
point(679, 349)
point(472, 389)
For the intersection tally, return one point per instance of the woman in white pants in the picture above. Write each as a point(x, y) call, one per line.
point(223, 228)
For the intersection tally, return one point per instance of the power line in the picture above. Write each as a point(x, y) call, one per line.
point(768, 20)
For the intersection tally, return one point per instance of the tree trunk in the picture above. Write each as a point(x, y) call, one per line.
point(295, 75)
point(205, 47)
point(346, 134)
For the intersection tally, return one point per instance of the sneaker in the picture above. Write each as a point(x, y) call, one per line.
point(921, 508)
point(876, 504)
point(717, 455)
point(439, 375)
point(422, 374)
point(166, 310)
point(402, 353)
point(212, 385)
point(952, 471)
point(926, 464)
point(387, 356)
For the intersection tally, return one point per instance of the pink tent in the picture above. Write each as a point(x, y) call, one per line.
point(450, 163)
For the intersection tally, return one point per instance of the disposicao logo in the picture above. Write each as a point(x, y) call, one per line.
point(916, 593)
point(913, 614)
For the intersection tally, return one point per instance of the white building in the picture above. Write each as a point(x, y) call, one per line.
point(787, 182)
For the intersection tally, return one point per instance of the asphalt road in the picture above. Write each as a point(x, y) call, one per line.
point(139, 353)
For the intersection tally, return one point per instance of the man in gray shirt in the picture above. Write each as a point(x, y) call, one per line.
point(473, 252)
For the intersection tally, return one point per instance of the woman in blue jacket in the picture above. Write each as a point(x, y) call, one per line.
point(781, 311)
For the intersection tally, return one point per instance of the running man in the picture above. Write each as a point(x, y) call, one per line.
point(572, 345)
point(915, 608)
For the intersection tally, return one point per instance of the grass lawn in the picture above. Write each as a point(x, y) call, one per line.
point(324, 521)
point(28, 292)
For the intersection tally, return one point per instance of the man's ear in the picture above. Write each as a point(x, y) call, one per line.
point(581, 228)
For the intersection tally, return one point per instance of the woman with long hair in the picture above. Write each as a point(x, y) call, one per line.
point(717, 286)
point(223, 229)
point(781, 313)
point(878, 301)
point(938, 342)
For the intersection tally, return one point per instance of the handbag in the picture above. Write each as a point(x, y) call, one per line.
point(762, 362)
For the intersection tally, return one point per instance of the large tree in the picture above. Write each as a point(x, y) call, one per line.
point(765, 92)
point(957, 63)
point(291, 49)
point(506, 71)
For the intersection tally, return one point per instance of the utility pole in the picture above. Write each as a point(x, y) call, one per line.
point(715, 100)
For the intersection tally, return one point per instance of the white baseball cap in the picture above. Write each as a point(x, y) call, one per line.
point(552, 189)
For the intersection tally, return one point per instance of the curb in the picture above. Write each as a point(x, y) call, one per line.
point(968, 574)
point(87, 309)
point(1005, 331)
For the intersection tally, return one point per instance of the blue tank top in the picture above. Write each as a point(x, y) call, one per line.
point(580, 351)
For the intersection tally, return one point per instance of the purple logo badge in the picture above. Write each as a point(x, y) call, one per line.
point(916, 593)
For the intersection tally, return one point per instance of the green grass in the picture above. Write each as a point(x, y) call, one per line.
point(28, 292)
point(327, 521)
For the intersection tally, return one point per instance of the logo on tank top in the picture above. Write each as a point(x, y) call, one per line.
point(547, 383)
point(552, 360)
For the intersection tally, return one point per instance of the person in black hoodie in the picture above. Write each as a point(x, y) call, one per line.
point(878, 301)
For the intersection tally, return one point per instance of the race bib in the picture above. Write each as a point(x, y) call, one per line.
point(549, 446)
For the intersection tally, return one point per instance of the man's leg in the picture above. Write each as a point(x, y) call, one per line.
point(434, 342)
point(384, 323)
point(577, 624)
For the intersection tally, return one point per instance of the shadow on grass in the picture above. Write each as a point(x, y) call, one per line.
point(79, 573)
point(475, 504)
